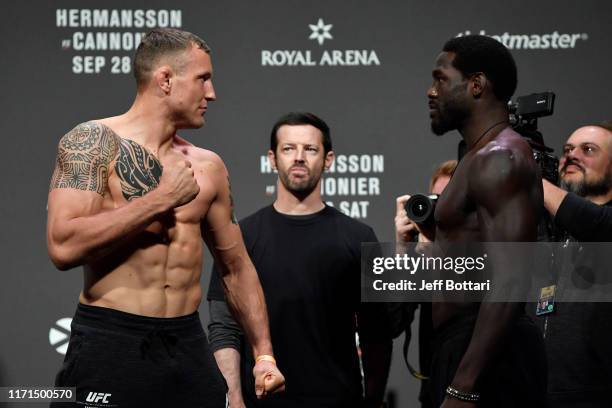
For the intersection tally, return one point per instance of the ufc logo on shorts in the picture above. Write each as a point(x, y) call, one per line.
point(97, 397)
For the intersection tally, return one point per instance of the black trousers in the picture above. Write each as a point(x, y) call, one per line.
point(516, 378)
point(118, 359)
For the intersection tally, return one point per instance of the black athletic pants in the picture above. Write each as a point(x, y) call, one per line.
point(118, 359)
point(517, 377)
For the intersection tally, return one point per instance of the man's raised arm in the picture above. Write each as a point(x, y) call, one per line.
point(79, 229)
point(240, 281)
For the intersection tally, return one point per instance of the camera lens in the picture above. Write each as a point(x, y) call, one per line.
point(420, 208)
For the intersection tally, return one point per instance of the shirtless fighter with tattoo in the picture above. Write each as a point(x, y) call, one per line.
point(132, 202)
point(486, 354)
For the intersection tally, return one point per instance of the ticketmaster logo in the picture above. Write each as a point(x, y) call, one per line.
point(554, 40)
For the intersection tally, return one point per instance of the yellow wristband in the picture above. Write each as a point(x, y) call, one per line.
point(265, 357)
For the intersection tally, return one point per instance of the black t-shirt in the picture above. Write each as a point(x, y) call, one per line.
point(585, 220)
point(309, 268)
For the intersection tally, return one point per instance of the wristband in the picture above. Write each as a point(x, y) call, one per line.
point(461, 395)
point(265, 357)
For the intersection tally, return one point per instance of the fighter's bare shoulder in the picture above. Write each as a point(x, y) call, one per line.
point(88, 136)
point(84, 156)
point(201, 159)
point(505, 163)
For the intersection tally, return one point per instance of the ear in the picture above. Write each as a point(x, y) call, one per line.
point(478, 84)
point(329, 159)
point(163, 78)
point(272, 159)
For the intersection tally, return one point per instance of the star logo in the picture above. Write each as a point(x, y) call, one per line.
point(320, 31)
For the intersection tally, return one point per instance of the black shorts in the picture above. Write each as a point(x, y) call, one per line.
point(516, 378)
point(120, 360)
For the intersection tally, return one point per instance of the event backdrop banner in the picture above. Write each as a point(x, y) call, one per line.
point(363, 66)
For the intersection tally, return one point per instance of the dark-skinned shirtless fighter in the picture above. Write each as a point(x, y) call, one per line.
point(132, 203)
point(488, 352)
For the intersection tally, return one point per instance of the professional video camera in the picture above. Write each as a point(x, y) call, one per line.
point(524, 114)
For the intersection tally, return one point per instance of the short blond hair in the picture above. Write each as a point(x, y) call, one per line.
point(445, 169)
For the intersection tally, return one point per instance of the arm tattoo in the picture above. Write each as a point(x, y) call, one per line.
point(138, 170)
point(83, 158)
point(233, 216)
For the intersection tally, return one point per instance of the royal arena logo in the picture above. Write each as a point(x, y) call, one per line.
point(554, 40)
point(320, 32)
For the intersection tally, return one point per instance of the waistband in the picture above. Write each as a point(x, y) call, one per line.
point(114, 320)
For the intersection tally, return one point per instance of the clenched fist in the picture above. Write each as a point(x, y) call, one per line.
point(268, 378)
point(178, 183)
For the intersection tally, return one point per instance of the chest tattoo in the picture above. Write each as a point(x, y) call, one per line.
point(138, 170)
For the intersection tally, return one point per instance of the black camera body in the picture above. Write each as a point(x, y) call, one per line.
point(420, 208)
point(524, 114)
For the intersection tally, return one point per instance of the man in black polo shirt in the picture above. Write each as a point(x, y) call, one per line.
point(307, 255)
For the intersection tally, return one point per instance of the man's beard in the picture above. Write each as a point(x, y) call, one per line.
point(443, 124)
point(591, 188)
point(301, 187)
point(451, 113)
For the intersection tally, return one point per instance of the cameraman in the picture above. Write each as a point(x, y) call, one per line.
point(407, 231)
point(586, 172)
point(578, 335)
